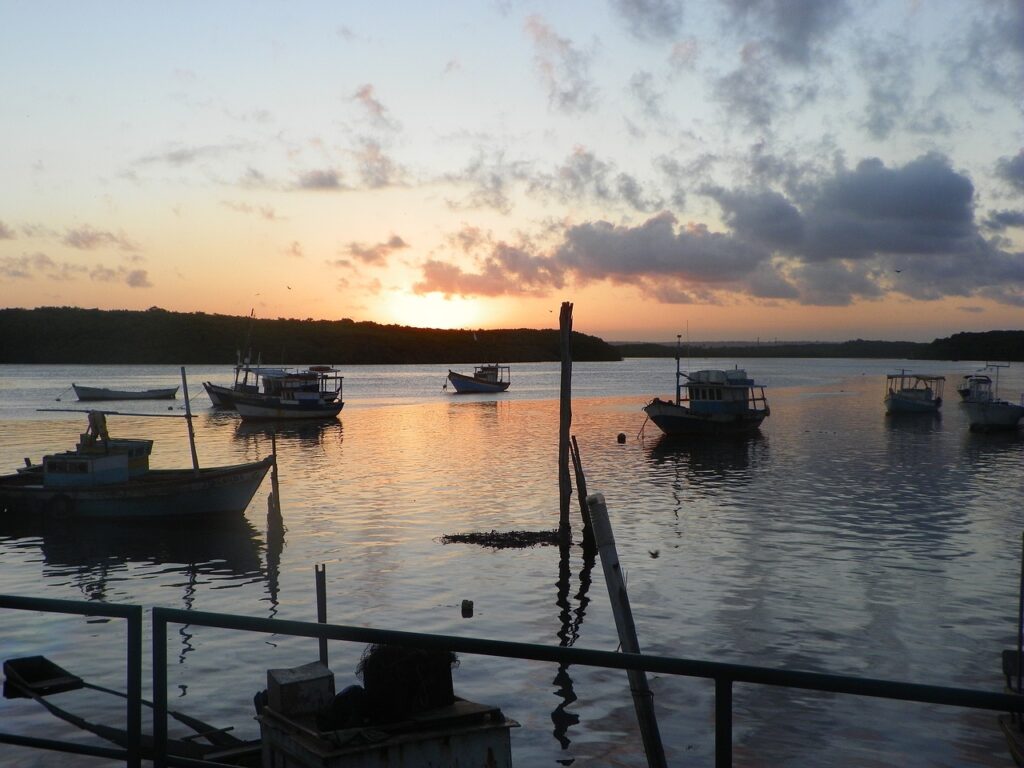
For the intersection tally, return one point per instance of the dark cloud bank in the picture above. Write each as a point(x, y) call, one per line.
point(860, 233)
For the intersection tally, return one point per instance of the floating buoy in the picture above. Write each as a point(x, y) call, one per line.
point(621, 438)
point(467, 609)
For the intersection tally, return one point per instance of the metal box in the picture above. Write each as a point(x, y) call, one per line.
point(300, 690)
point(462, 735)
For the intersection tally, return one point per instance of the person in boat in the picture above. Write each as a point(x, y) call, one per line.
point(96, 431)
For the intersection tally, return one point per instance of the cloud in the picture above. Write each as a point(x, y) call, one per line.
point(491, 179)
point(6, 233)
point(751, 92)
point(651, 19)
point(887, 70)
point(138, 278)
point(375, 168)
point(375, 110)
point(1000, 220)
point(564, 69)
point(684, 54)
point(992, 49)
point(641, 87)
point(848, 235)
point(328, 179)
point(583, 176)
point(923, 207)
point(181, 156)
point(263, 211)
point(294, 250)
point(793, 30)
point(503, 269)
point(1011, 170)
point(87, 238)
point(760, 216)
point(376, 254)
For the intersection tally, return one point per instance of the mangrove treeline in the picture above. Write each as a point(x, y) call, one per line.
point(986, 345)
point(156, 336)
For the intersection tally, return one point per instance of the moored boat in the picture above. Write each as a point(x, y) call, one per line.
point(711, 402)
point(103, 393)
point(986, 411)
point(315, 393)
point(104, 477)
point(969, 379)
point(486, 378)
point(246, 383)
point(913, 393)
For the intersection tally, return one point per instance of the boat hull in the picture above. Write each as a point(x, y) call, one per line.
point(224, 397)
point(101, 393)
point(675, 419)
point(276, 408)
point(899, 404)
point(993, 415)
point(160, 493)
point(467, 385)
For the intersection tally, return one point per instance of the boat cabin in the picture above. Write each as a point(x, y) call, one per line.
point(493, 374)
point(319, 382)
point(97, 462)
point(729, 391)
point(911, 386)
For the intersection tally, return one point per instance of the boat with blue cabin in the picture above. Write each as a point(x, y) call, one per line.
point(486, 378)
point(913, 393)
point(711, 401)
point(314, 393)
point(106, 477)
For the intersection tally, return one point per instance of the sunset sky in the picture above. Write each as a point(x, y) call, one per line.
point(790, 169)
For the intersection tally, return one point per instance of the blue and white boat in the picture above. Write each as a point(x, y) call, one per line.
point(710, 402)
point(486, 378)
point(106, 477)
point(913, 393)
point(314, 393)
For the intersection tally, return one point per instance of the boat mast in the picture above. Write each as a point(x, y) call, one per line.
point(679, 374)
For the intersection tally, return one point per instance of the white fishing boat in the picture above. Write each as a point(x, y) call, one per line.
point(986, 411)
point(968, 379)
point(913, 393)
point(486, 378)
point(711, 401)
point(104, 477)
point(314, 393)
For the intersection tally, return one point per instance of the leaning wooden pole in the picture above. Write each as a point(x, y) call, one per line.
point(188, 418)
point(643, 699)
point(565, 422)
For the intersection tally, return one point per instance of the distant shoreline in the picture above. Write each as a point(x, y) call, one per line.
point(56, 335)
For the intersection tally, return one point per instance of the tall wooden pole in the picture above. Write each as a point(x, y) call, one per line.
point(643, 699)
point(565, 422)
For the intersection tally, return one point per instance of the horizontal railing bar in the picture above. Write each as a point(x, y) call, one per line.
point(80, 607)
point(63, 746)
point(813, 681)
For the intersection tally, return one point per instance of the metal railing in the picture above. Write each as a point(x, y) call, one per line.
point(132, 614)
point(724, 675)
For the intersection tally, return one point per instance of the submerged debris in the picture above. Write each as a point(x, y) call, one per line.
point(503, 539)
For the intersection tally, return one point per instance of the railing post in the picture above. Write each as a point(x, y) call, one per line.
point(159, 689)
point(320, 569)
point(134, 683)
point(723, 722)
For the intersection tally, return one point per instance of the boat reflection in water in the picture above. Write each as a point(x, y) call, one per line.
point(226, 545)
point(308, 432)
point(709, 462)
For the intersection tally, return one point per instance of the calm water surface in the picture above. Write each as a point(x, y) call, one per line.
point(837, 540)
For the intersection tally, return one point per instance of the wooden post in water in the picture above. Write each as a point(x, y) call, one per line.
point(321, 606)
point(275, 489)
point(643, 699)
point(565, 422)
point(188, 418)
point(581, 491)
